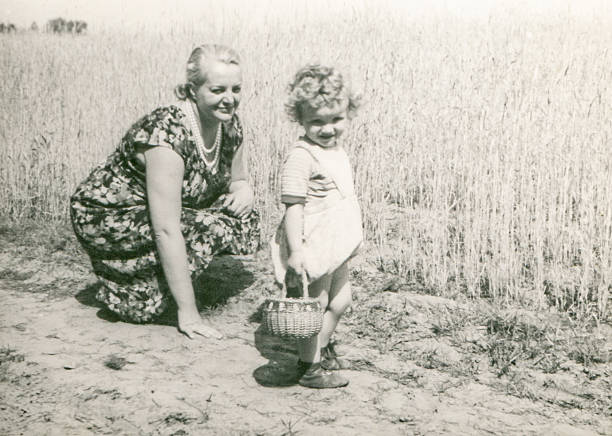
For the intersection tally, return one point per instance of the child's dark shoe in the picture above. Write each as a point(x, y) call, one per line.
point(332, 345)
point(330, 360)
point(314, 376)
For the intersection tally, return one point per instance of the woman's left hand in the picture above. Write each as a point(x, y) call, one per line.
point(239, 200)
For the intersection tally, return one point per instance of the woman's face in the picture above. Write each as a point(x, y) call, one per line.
point(219, 96)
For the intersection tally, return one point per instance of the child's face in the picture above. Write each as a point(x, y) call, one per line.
point(326, 124)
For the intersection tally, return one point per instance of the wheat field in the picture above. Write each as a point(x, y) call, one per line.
point(481, 152)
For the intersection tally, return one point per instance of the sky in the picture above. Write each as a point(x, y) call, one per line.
point(121, 12)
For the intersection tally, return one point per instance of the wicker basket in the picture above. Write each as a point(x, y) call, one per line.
point(297, 318)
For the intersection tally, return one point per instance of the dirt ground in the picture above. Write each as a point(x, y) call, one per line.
point(68, 367)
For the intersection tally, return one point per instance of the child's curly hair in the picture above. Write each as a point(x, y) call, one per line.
point(317, 86)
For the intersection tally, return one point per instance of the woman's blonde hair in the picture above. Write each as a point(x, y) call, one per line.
point(317, 86)
point(196, 66)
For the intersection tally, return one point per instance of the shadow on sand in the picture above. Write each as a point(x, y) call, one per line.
point(87, 297)
point(224, 278)
point(281, 369)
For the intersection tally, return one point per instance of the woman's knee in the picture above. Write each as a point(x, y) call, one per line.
point(138, 304)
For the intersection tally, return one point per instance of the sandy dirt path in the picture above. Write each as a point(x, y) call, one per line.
point(57, 378)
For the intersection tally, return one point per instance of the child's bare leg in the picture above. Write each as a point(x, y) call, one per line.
point(339, 300)
point(311, 372)
point(309, 350)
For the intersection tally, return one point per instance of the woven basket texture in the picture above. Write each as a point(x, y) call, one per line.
point(298, 318)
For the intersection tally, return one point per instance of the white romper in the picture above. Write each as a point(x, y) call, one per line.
point(332, 216)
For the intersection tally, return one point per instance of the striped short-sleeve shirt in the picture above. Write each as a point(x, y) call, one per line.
point(302, 177)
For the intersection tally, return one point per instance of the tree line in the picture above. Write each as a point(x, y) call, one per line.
point(60, 25)
point(55, 25)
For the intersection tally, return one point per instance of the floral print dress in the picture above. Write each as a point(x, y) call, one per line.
point(110, 216)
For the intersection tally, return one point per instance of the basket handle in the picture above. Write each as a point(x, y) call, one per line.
point(304, 286)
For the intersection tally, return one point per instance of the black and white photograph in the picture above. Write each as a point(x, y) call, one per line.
point(171, 173)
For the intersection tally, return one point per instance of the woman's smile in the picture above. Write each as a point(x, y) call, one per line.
point(227, 109)
point(218, 98)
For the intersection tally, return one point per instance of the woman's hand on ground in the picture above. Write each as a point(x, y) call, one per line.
point(192, 325)
point(239, 201)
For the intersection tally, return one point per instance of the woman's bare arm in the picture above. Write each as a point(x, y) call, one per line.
point(164, 177)
point(239, 200)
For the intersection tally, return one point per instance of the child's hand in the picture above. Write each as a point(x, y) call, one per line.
point(293, 277)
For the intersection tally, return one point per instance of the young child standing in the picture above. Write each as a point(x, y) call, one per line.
point(321, 229)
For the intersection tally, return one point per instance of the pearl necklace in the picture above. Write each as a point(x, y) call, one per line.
point(215, 150)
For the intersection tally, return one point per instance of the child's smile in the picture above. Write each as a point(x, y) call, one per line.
point(326, 124)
